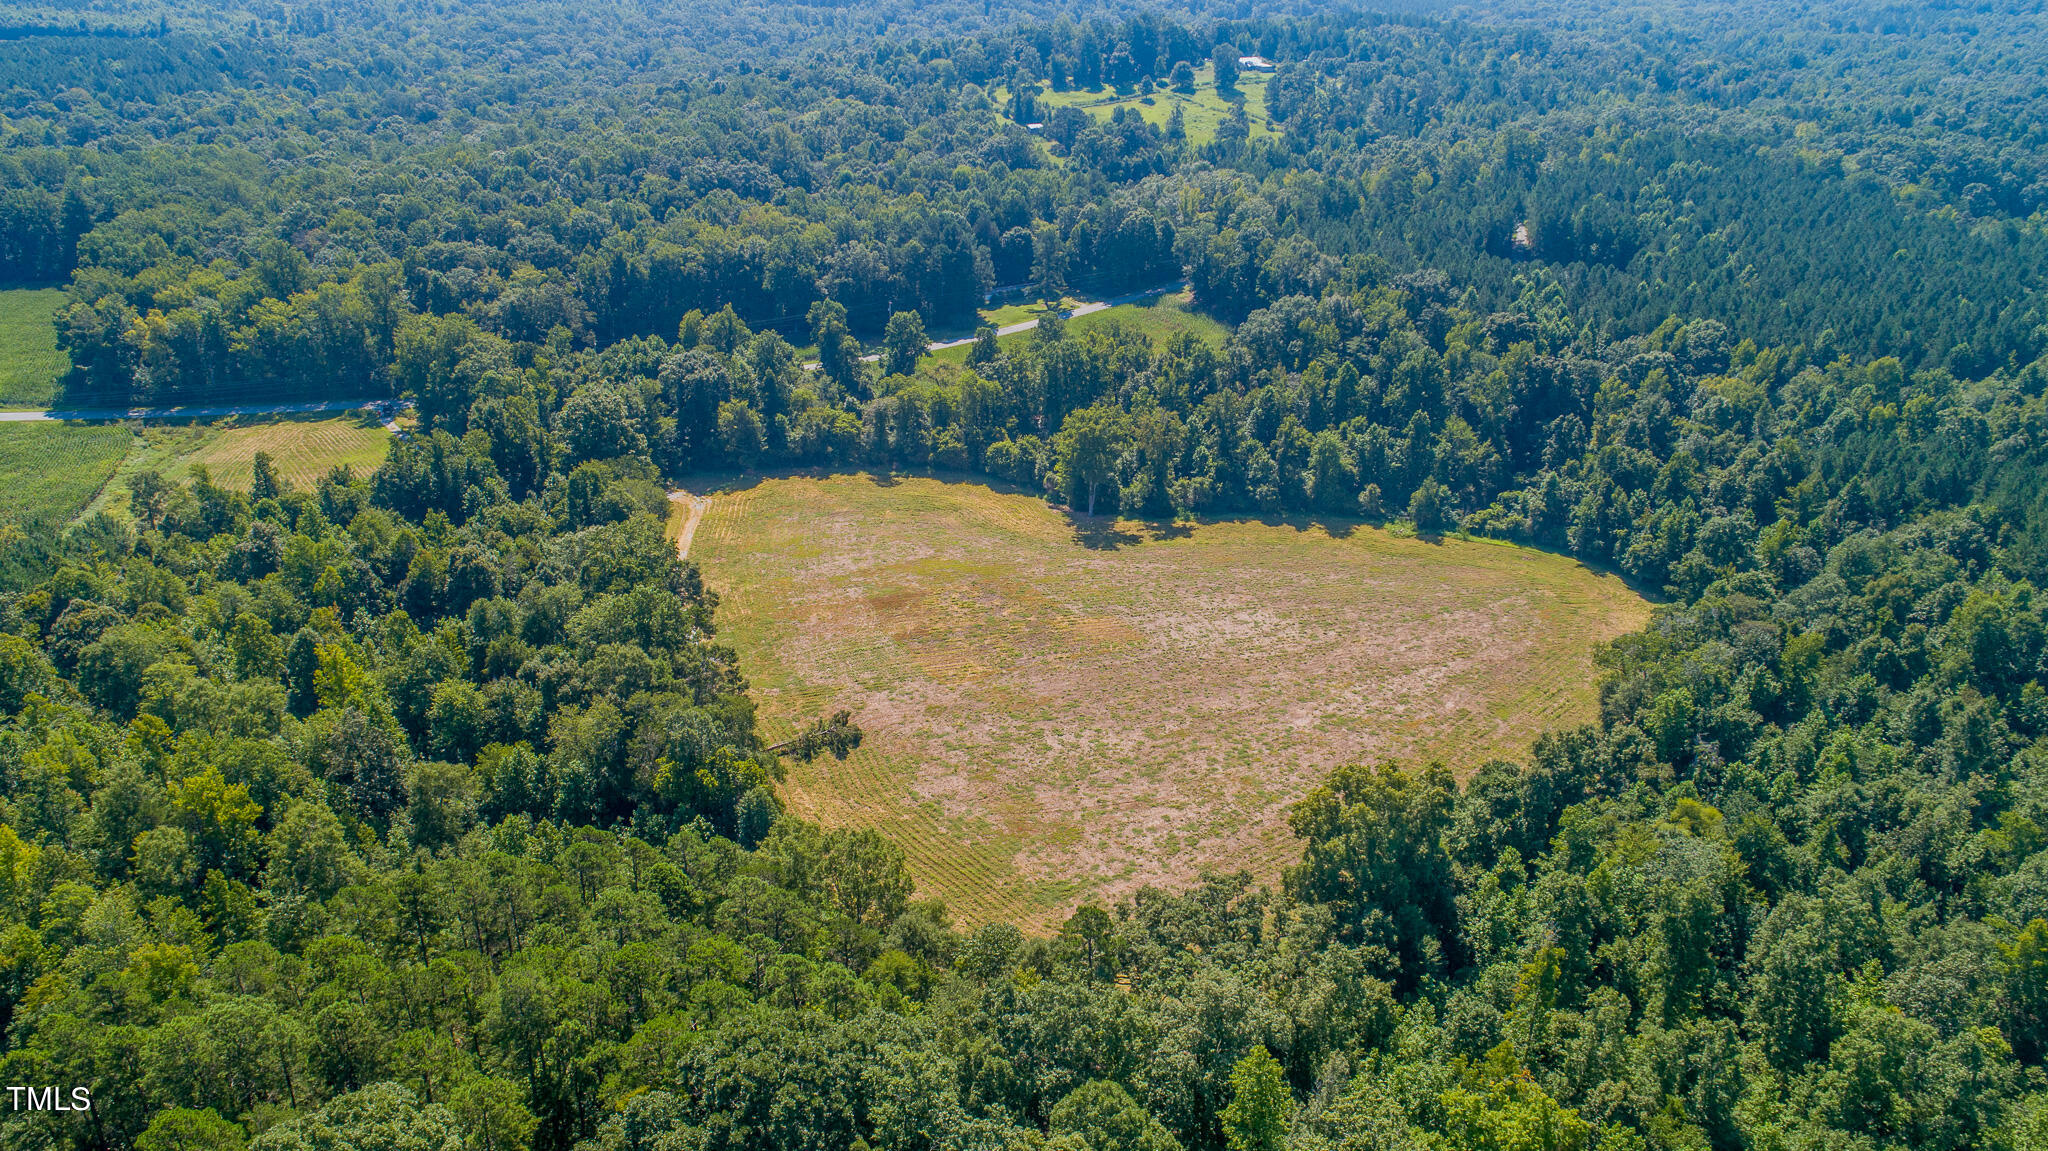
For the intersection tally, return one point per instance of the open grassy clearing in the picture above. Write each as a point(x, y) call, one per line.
point(1003, 315)
point(1158, 318)
point(1202, 111)
point(302, 450)
point(30, 361)
point(1056, 711)
point(51, 471)
point(1014, 308)
point(157, 447)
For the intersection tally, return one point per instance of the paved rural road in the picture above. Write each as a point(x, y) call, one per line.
point(385, 408)
point(1027, 325)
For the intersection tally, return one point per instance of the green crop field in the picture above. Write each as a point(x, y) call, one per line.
point(1057, 708)
point(51, 471)
point(30, 362)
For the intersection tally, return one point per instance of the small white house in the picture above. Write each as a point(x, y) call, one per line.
point(1255, 64)
point(1035, 126)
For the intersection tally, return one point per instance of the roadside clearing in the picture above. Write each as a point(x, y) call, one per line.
point(1027, 325)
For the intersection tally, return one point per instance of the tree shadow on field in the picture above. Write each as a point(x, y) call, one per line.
point(1099, 533)
point(1111, 532)
point(1336, 527)
point(708, 484)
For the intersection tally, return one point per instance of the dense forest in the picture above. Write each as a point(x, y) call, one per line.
point(252, 206)
point(424, 808)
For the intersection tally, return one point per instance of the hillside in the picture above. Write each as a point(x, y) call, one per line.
point(1519, 631)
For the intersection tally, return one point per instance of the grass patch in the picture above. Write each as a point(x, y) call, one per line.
point(1202, 111)
point(1013, 311)
point(302, 450)
point(157, 447)
point(1002, 316)
point(1058, 708)
point(52, 471)
point(30, 361)
point(1158, 317)
point(959, 355)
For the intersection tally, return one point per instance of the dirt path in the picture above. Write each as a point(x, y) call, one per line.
point(697, 506)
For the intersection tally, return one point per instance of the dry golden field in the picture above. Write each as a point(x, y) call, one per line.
point(1055, 710)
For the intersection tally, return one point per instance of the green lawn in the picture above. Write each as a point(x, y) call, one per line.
point(1202, 111)
point(1158, 318)
point(51, 471)
point(30, 363)
point(1004, 315)
point(303, 448)
point(1001, 315)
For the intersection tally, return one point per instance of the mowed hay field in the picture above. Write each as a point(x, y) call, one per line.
point(1048, 720)
point(302, 451)
point(51, 471)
